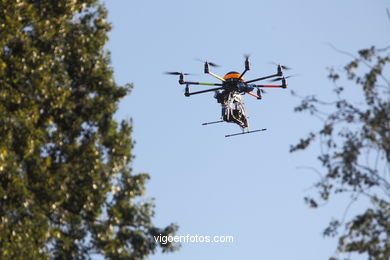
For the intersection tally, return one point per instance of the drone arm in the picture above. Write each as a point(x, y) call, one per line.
point(200, 83)
point(253, 94)
point(207, 71)
point(203, 91)
point(262, 78)
point(270, 86)
point(242, 74)
point(216, 76)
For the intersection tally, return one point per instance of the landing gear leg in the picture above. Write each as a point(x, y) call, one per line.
point(249, 132)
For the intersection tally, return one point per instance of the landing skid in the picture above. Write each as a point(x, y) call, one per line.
point(248, 132)
point(215, 122)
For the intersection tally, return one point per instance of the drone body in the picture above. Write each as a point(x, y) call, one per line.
point(229, 93)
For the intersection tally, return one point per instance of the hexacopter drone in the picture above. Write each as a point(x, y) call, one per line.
point(230, 93)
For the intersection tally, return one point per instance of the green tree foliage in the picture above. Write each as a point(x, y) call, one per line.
point(66, 187)
point(355, 151)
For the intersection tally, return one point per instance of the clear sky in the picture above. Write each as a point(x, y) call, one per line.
point(250, 186)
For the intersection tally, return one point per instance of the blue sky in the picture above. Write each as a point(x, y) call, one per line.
point(249, 186)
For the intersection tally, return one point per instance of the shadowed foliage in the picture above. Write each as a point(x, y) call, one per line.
point(66, 186)
point(355, 151)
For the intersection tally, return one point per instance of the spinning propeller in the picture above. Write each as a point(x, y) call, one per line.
point(281, 66)
point(212, 64)
point(282, 78)
point(177, 73)
point(181, 75)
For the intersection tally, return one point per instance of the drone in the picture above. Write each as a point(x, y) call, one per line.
point(229, 93)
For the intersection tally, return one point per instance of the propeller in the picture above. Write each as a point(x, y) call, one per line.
point(281, 78)
point(247, 56)
point(212, 64)
point(262, 90)
point(285, 67)
point(282, 66)
point(176, 73)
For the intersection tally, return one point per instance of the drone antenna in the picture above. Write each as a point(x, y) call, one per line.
point(259, 93)
point(247, 63)
point(247, 66)
point(187, 91)
point(280, 71)
point(206, 68)
point(284, 83)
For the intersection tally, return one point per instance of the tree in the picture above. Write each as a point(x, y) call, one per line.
point(355, 141)
point(355, 151)
point(66, 183)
